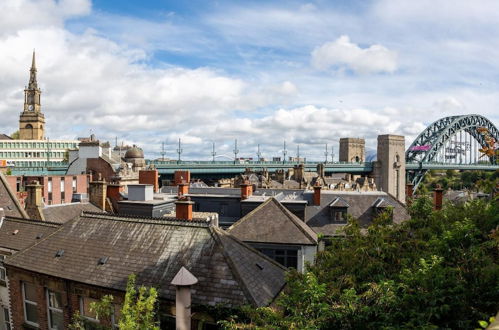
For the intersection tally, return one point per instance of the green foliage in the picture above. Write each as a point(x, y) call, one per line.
point(437, 270)
point(15, 135)
point(138, 311)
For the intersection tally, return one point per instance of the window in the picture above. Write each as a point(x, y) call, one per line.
point(286, 257)
point(6, 318)
point(85, 308)
point(30, 305)
point(339, 214)
point(63, 195)
point(74, 185)
point(54, 310)
point(50, 190)
point(3, 273)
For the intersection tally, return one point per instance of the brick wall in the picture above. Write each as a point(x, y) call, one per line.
point(149, 177)
point(182, 176)
point(70, 295)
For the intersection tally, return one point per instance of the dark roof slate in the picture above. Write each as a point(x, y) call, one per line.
point(271, 222)
point(8, 200)
point(64, 212)
point(229, 271)
point(360, 206)
point(18, 234)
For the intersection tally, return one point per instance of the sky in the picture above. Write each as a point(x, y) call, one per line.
point(152, 71)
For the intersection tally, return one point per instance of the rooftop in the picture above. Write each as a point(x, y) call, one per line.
point(229, 271)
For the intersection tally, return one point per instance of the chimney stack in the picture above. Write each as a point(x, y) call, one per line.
point(183, 282)
point(183, 208)
point(317, 194)
point(149, 177)
point(34, 202)
point(438, 194)
point(246, 190)
point(409, 192)
point(98, 193)
point(183, 188)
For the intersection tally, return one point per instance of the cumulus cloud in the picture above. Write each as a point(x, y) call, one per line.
point(343, 53)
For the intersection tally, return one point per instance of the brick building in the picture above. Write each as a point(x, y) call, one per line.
point(94, 254)
point(56, 189)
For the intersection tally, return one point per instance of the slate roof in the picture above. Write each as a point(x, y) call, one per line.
point(360, 206)
point(62, 213)
point(229, 271)
point(8, 200)
point(18, 234)
point(5, 137)
point(271, 222)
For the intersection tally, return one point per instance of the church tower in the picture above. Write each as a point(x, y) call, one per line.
point(32, 120)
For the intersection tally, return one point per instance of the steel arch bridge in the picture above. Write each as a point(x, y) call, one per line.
point(454, 140)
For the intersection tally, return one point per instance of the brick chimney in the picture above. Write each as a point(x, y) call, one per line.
point(317, 194)
point(98, 193)
point(438, 195)
point(183, 282)
point(409, 192)
point(34, 202)
point(149, 177)
point(246, 190)
point(183, 188)
point(183, 208)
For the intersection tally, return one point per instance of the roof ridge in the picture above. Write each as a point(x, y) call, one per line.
point(34, 221)
point(214, 232)
point(247, 216)
point(217, 231)
point(298, 222)
point(13, 197)
point(200, 222)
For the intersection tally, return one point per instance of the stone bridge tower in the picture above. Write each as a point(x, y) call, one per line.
point(352, 150)
point(389, 169)
point(32, 120)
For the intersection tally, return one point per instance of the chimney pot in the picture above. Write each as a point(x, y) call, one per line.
point(183, 208)
point(246, 190)
point(438, 197)
point(183, 281)
point(317, 194)
point(183, 188)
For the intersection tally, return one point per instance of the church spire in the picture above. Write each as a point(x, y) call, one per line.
point(32, 74)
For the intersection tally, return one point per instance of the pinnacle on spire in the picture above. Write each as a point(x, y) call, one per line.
point(32, 74)
point(33, 65)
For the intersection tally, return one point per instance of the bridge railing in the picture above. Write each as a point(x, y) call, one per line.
point(249, 163)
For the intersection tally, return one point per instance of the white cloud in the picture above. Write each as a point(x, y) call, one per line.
point(342, 52)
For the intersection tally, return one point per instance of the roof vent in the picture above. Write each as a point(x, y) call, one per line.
point(59, 253)
point(39, 236)
point(259, 266)
point(15, 232)
point(102, 260)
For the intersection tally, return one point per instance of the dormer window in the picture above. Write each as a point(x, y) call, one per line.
point(380, 206)
point(338, 210)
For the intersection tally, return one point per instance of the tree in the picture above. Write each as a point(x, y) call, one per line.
point(440, 269)
point(138, 311)
point(15, 135)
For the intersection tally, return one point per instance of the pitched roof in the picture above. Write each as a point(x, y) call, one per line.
point(360, 206)
point(229, 271)
point(5, 137)
point(62, 213)
point(271, 222)
point(8, 200)
point(339, 202)
point(18, 234)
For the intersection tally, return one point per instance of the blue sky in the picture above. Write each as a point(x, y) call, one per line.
point(259, 71)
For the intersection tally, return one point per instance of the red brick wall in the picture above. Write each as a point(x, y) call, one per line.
point(182, 176)
point(149, 177)
point(70, 294)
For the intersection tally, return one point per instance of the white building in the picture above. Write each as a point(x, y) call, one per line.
point(35, 153)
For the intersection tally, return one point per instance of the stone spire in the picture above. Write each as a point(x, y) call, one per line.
point(32, 74)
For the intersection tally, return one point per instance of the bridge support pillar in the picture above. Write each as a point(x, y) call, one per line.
point(389, 169)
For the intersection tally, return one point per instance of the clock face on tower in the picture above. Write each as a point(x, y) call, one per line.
point(30, 107)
